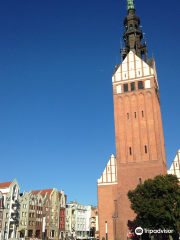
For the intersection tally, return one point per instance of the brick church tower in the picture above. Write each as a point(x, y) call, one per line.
point(140, 149)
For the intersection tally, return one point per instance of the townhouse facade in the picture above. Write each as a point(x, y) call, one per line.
point(46, 212)
point(1, 213)
point(94, 222)
point(47, 202)
point(31, 232)
point(78, 220)
point(23, 215)
point(62, 211)
point(10, 223)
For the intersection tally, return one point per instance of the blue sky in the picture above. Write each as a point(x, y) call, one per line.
point(56, 104)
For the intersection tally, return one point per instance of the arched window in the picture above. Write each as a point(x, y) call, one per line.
point(130, 152)
point(135, 25)
point(130, 26)
point(140, 181)
point(145, 149)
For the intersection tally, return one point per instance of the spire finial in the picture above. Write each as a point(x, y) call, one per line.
point(130, 5)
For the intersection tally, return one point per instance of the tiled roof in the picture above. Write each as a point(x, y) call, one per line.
point(42, 192)
point(35, 192)
point(49, 191)
point(5, 184)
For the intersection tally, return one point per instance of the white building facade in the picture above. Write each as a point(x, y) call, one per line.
point(175, 167)
point(10, 222)
point(78, 219)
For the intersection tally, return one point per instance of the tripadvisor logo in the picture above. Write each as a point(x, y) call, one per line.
point(139, 231)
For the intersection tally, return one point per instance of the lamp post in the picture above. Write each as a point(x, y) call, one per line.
point(90, 226)
point(106, 230)
point(43, 228)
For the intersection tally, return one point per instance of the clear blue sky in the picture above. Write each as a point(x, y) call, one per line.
point(56, 104)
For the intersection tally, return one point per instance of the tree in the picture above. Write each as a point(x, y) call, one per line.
point(157, 203)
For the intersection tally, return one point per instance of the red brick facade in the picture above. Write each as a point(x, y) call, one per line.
point(106, 197)
point(140, 149)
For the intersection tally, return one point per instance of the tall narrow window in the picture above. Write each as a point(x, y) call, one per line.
point(125, 87)
point(140, 181)
point(142, 114)
point(132, 86)
point(127, 115)
point(145, 149)
point(176, 164)
point(130, 152)
point(140, 85)
point(135, 114)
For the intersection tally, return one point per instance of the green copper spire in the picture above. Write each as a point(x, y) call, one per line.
point(130, 5)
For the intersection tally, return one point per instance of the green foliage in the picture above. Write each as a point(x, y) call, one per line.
point(157, 203)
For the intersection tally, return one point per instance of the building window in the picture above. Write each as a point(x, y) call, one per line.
point(142, 114)
point(140, 181)
point(139, 72)
point(145, 149)
point(132, 86)
point(130, 152)
point(176, 164)
point(140, 85)
point(127, 115)
point(126, 87)
point(135, 114)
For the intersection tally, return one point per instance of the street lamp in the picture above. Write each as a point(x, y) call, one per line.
point(43, 228)
point(106, 230)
